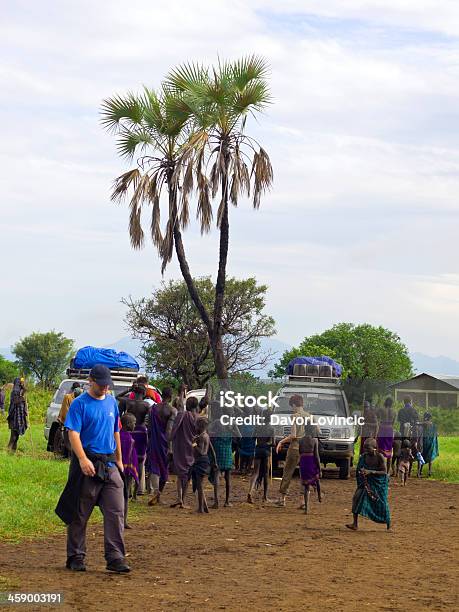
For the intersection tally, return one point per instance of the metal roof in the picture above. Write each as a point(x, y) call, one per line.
point(449, 379)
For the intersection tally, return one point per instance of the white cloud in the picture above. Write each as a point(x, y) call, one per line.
point(360, 223)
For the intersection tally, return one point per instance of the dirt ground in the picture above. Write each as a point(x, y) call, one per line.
point(255, 557)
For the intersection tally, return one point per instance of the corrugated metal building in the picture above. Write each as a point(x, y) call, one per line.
point(429, 390)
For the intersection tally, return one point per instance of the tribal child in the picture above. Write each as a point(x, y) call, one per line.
point(396, 450)
point(201, 465)
point(370, 497)
point(310, 471)
point(160, 419)
point(130, 461)
point(222, 450)
point(182, 435)
point(264, 435)
point(406, 460)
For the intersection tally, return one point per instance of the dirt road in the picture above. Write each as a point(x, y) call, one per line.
point(258, 558)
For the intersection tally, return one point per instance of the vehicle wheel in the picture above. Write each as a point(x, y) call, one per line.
point(344, 469)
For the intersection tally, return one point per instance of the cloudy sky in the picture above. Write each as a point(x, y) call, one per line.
point(361, 224)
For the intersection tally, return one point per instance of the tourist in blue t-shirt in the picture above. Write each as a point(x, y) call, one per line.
point(95, 473)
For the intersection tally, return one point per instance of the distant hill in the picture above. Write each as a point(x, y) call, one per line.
point(277, 347)
point(7, 354)
point(434, 365)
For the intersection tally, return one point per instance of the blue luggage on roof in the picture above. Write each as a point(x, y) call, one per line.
point(323, 360)
point(89, 356)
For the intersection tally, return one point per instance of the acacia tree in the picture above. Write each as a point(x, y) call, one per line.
point(191, 138)
point(372, 357)
point(175, 340)
point(365, 351)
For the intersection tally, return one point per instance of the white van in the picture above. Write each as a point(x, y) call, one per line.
point(122, 380)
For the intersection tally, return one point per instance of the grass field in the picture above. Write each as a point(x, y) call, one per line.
point(32, 480)
point(30, 484)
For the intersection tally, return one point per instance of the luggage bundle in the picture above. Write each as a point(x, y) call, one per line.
point(89, 356)
point(321, 367)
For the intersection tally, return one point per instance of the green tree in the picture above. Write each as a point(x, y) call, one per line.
point(44, 356)
point(175, 340)
point(8, 370)
point(371, 356)
point(196, 123)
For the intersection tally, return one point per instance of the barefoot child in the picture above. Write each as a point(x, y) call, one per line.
point(201, 465)
point(130, 462)
point(264, 435)
point(396, 450)
point(310, 472)
point(405, 463)
point(222, 443)
point(370, 498)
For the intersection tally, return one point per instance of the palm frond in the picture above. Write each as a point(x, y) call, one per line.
point(185, 77)
point(167, 246)
point(248, 69)
point(262, 173)
point(140, 195)
point(254, 96)
point(155, 226)
point(117, 108)
point(220, 212)
point(129, 141)
point(124, 182)
point(204, 212)
point(239, 176)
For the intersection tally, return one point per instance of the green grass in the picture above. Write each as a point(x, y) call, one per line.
point(32, 480)
point(30, 484)
point(446, 466)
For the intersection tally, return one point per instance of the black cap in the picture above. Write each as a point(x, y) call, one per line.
point(101, 375)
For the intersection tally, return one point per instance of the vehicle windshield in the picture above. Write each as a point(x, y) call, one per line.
point(316, 403)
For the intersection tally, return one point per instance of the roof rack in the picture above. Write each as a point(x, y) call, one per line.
point(120, 374)
point(315, 379)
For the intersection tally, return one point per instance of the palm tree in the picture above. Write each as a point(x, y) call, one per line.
point(225, 160)
point(155, 126)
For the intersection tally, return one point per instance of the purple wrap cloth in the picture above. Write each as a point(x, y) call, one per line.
point(309, 469)
point(140, 436)
point(385, 439)
point(157, 446)
point(183, 432)
point(128, 452)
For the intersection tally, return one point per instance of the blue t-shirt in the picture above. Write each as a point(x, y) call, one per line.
point(96, 421)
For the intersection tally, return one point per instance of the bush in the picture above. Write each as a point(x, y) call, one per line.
point(446, 420)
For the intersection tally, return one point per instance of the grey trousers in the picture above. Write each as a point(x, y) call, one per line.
point(109, 495)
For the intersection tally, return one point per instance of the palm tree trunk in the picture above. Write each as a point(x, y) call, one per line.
point(185, 269)
point(221, 365)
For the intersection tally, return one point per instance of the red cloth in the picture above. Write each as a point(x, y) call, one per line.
point(153, 394)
